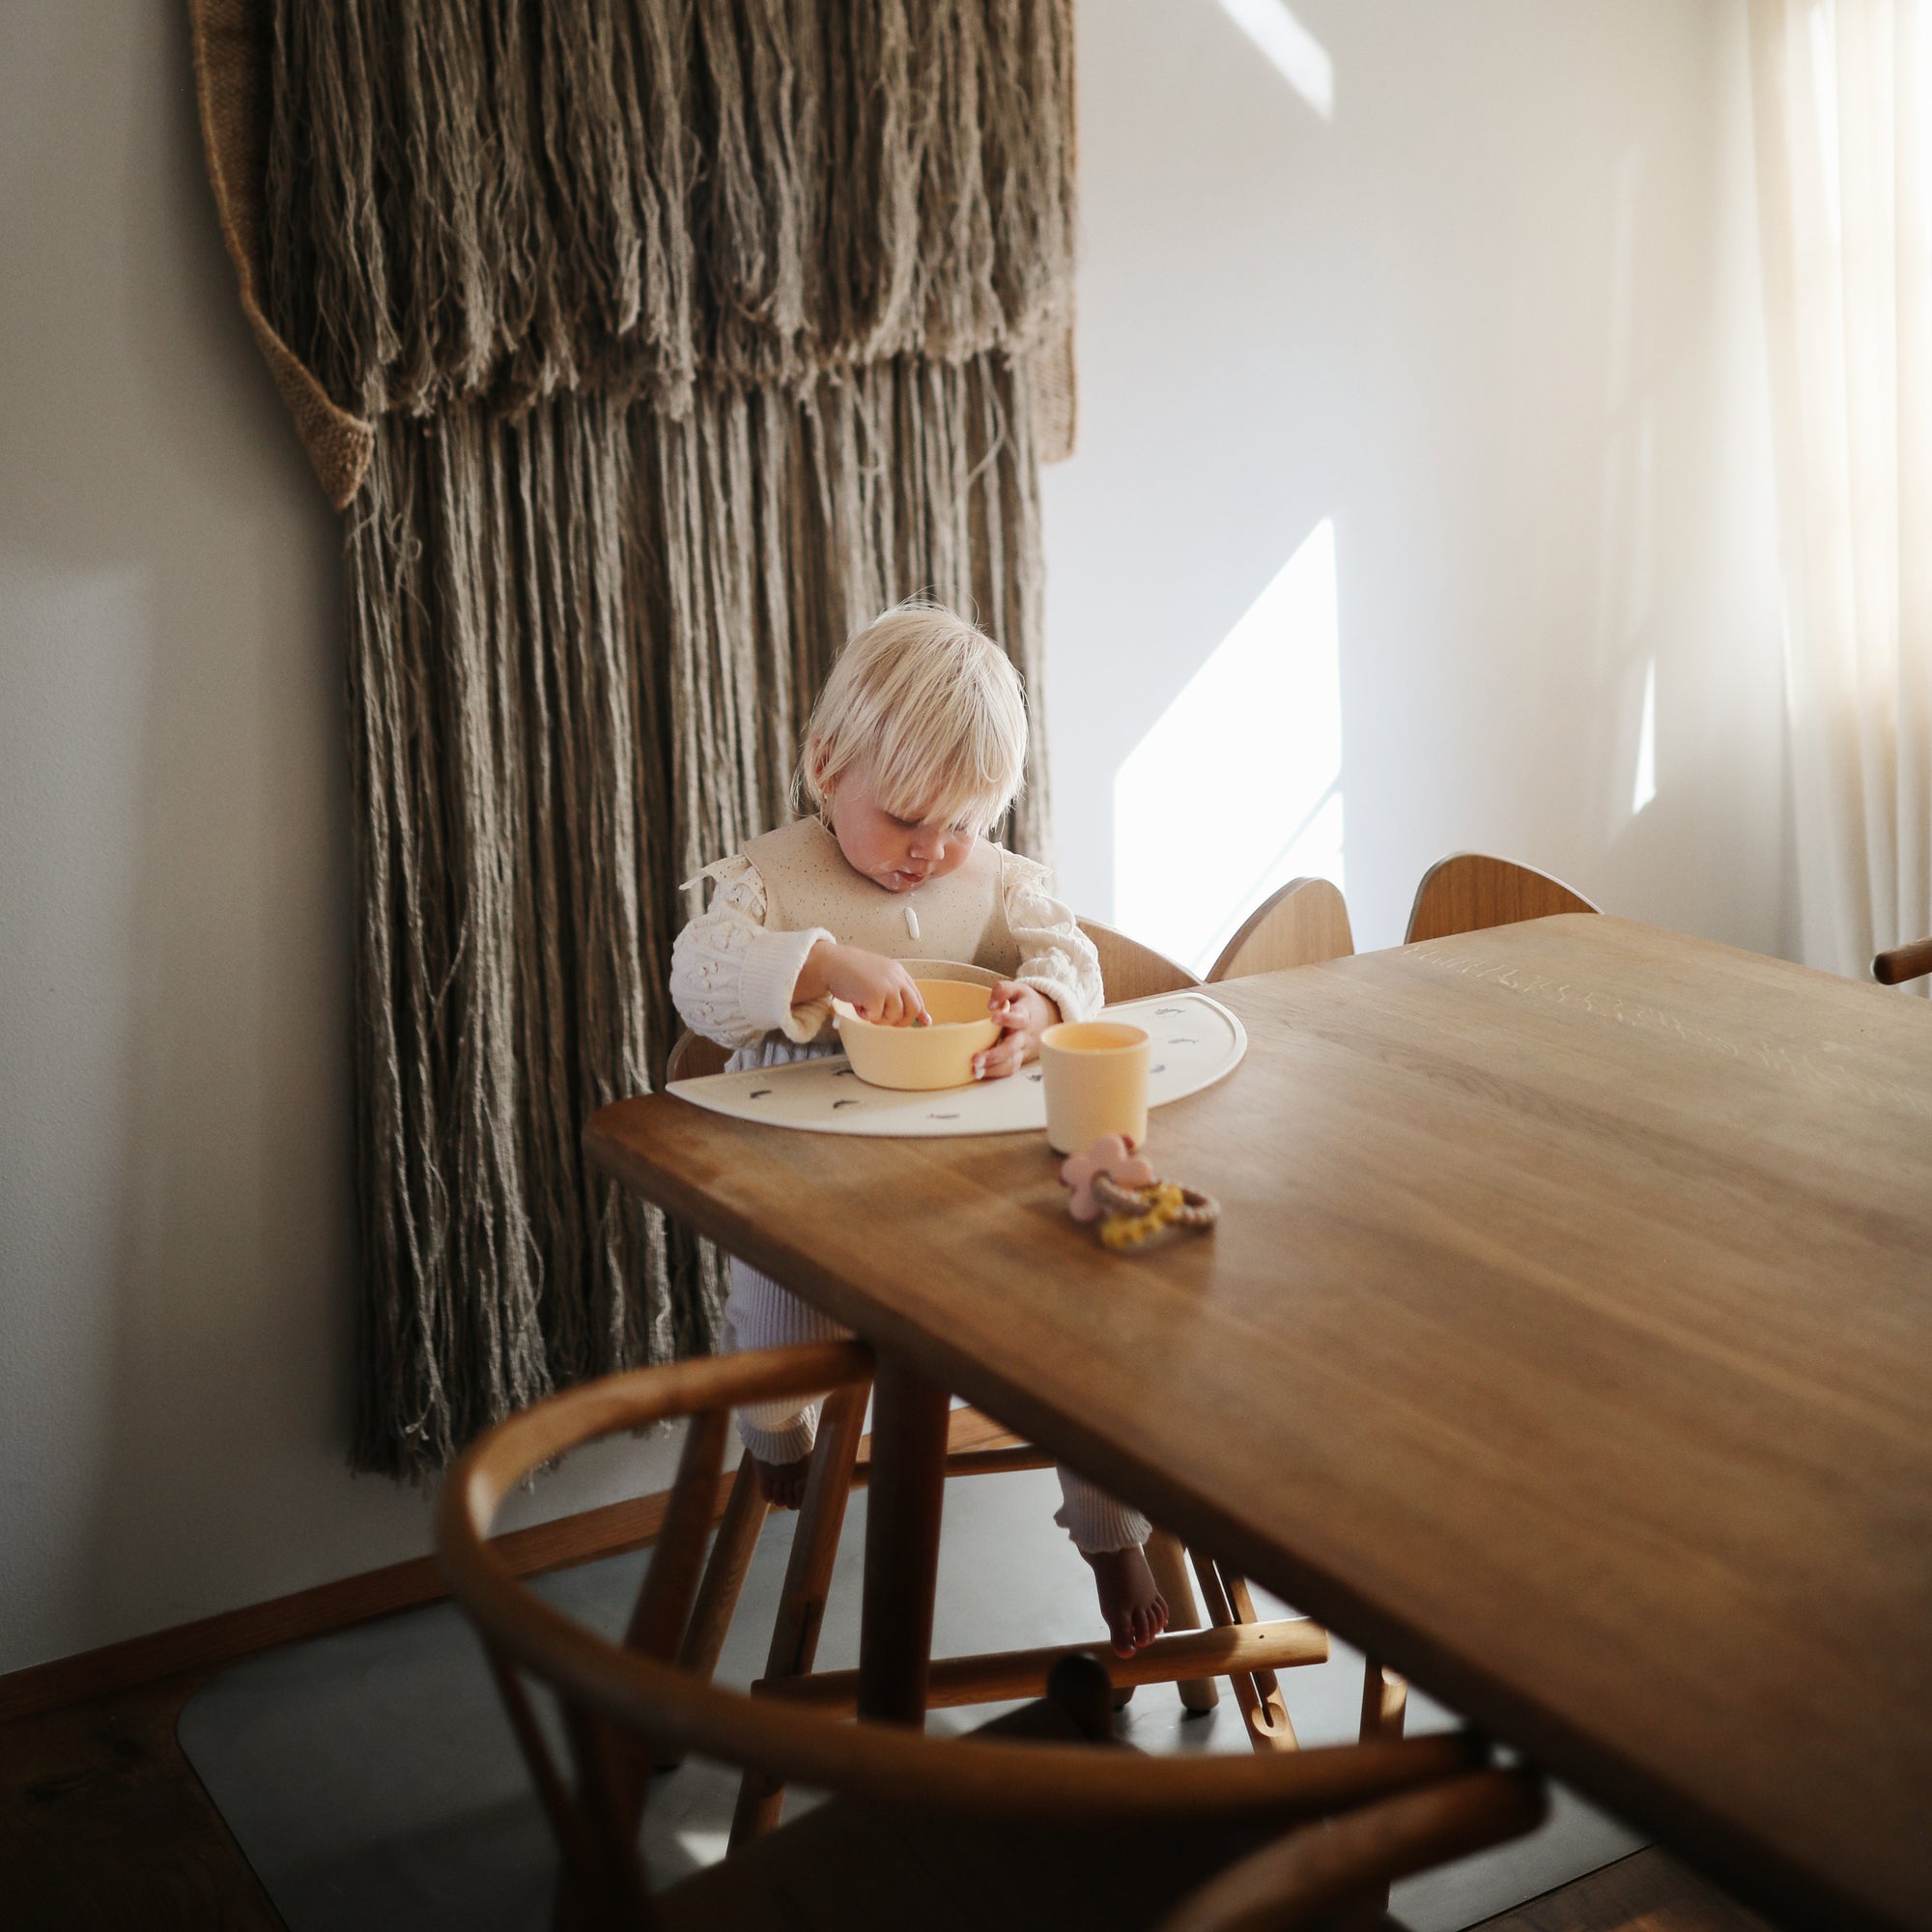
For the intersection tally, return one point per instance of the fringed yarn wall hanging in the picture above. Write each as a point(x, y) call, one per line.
point(647, 347)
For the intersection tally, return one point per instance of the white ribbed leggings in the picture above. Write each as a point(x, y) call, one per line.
point(764, 1315)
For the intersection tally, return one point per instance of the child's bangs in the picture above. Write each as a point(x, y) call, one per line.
point(929, 784)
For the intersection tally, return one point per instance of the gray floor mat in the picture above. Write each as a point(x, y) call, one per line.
point(372, 1781)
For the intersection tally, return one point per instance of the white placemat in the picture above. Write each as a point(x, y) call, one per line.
point(1196, 1041)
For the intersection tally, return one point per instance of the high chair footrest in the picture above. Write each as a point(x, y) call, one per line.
point(1000, 1675)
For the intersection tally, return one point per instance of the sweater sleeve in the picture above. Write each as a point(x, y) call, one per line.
point(731, 980)
point(1056, 957)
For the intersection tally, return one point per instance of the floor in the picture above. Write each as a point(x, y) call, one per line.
point(103, 1827)
point(104, 1823)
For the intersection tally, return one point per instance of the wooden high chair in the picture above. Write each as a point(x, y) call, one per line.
point(1031, 1822)
point(1131, 971)
point(1302, 924)
point(977, 1445)
point(1469, 891)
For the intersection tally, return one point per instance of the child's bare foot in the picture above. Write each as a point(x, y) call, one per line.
point(1130, 1600)
point(783, 1484)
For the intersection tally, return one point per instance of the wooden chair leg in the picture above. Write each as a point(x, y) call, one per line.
point(1265, 1715)
point(663, 1608)
point(1268, 1685)
point(731, 1554)
point(814, 1549)
point(1384, 1711)
point(909, 1427)
point(611, 1891)
point(1384, 1701)
point(575, 1852)
point(1168, 1561)
point(724, 1582)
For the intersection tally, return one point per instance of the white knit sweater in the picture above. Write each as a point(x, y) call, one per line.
point(735, 967)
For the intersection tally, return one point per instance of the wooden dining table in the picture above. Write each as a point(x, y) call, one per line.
point(1565, 1342)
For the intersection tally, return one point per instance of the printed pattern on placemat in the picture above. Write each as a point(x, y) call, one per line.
point(1196, 1042)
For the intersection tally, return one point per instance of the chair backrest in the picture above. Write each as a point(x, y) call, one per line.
point(1469, 891)
point(694, 1056)
point(1131, 971)
point(1304, 924)
point(614, 1696)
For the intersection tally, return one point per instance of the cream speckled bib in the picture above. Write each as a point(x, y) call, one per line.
point(962, 916)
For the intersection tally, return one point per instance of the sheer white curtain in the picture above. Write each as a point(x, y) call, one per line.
point(1842, 102)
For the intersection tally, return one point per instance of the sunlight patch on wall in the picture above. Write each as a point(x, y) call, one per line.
point(1296, 54)
point(1238, 788)
point(1645, 788)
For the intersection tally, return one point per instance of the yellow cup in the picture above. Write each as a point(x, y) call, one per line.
point(1097, 1083)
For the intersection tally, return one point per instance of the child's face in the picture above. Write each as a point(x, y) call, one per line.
point(898, 854)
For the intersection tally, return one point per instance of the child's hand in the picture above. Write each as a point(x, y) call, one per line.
point(1025, 1013)
point(877, 988)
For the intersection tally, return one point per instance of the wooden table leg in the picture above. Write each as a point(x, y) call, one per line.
point(909, 1420)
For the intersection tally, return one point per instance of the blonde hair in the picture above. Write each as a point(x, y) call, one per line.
point(934, 711)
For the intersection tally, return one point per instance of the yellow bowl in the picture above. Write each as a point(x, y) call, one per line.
point(922, 1059)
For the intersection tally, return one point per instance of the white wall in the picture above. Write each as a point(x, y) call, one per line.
point(1497, 319)
point(1452, 320)
point(176, 1214)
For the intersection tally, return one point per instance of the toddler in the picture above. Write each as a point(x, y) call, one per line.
point(915, 749)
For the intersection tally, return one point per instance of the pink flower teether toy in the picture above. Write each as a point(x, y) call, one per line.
point(1110, 1155)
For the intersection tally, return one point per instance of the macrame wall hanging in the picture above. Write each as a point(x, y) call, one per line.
point(648, 346)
